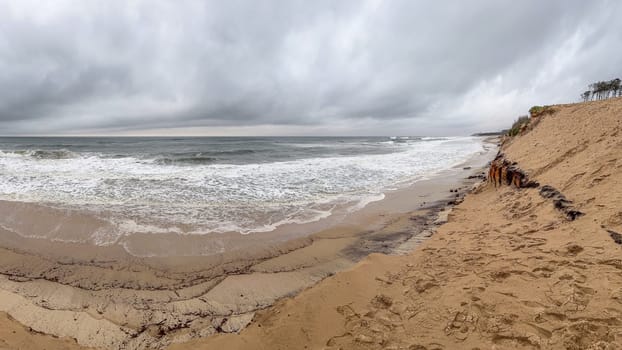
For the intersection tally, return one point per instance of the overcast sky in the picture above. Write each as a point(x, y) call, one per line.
point(287, 67)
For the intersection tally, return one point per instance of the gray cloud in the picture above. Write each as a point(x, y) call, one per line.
point(381, 67)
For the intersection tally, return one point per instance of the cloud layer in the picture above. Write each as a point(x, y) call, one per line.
point(296, 67)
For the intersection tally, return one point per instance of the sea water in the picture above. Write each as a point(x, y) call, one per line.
point(194, 185)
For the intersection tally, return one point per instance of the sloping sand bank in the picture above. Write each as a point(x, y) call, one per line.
point(508, 271)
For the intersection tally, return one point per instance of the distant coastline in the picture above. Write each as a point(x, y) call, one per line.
point(491, 133)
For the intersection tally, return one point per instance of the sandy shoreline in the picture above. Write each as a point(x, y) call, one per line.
point(509, 270)
point(104, 297)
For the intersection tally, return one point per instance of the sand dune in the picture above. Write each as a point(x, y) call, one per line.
point(508, 271)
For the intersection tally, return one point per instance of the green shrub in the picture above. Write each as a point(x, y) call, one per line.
point(537, 111)
point(518, 124)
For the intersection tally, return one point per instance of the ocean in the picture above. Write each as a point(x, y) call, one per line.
point(199, 185)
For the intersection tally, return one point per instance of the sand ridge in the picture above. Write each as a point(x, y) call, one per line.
point(509, 270)
point(14, 336)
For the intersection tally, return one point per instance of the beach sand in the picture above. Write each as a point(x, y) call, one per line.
point(507, 271)
point(60, 294)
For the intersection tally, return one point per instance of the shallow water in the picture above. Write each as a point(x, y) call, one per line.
point(207, 185)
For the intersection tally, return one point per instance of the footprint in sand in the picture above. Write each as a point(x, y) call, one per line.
point(461, 324)
point(568, 296)
point(571, 249)
point(593, 334)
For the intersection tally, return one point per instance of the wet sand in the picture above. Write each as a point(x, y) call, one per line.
point(106, 298)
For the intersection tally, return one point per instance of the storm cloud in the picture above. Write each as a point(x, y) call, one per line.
point(296, 67)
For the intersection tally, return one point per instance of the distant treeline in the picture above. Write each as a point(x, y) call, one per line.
point(602, 90)
point(490, 133)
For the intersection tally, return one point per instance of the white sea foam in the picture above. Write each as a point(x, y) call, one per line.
point(142, 195)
